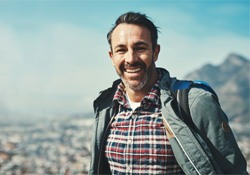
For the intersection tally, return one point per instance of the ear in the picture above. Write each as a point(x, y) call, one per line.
point(111, 57)
point(156, 52)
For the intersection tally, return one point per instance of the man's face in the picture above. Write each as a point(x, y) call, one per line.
point(132, 55)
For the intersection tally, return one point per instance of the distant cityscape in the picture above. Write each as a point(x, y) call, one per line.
point(60, 146)
point(55, 147)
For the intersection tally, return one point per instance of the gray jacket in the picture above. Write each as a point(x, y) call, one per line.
point(211, 149)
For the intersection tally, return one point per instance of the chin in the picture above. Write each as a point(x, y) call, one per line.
point(135, 86)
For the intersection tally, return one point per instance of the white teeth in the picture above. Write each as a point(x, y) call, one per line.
point(133, 70)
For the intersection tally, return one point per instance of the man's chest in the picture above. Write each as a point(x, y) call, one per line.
point(138, 140)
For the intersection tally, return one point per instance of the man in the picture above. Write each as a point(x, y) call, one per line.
point(136, 128)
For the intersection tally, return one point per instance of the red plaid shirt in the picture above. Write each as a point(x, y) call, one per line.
point(137, 142)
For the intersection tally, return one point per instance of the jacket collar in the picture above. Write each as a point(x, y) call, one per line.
point(105, 98)
point(166, 81)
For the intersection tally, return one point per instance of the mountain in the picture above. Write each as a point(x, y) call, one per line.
point(231, 81)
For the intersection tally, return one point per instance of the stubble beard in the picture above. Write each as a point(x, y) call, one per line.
point(143, 80)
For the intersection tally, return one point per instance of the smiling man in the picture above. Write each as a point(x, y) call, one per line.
point(133, 57)
point(137, 129)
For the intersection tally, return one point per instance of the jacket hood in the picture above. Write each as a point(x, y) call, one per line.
point(105, 98)
point(166, 81)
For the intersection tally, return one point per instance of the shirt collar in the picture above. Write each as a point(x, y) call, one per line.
point(153, 95)
point(120, 96)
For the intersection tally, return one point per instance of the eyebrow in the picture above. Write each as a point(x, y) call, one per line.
point(136, 44)
point(141, 43)
point(119, 46)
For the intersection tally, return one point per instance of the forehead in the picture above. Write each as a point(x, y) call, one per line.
point(125, 33)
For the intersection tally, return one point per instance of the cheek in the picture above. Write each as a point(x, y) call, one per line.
point(148, 60)
point(117, 63)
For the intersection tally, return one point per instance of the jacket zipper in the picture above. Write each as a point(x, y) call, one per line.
point(171, 134)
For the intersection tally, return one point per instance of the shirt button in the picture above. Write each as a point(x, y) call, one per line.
point(129, 168)
point(129, 141)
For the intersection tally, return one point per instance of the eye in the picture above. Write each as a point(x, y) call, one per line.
point(120, 50)
point(140, 49)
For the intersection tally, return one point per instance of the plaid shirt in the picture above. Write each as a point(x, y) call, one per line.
point(137, 142)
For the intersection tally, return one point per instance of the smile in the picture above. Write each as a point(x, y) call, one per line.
point(133, 70)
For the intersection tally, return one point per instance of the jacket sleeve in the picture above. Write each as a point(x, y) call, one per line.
point(212, 123)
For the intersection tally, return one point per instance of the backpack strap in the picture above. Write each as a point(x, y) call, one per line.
point(180, 90)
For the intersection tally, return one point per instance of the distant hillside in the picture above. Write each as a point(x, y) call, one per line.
point(231, 81)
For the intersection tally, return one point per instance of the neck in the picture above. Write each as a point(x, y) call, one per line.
point(138, 95)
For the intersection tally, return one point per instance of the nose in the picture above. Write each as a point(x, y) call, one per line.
point(131, 57)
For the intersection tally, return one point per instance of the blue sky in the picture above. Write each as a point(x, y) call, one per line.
point(54, 54)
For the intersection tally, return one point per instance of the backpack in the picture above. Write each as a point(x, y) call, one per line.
point(179, 91)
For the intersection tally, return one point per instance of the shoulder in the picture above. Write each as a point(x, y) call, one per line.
point(203, 97)
point(195, 91)
point(205, 108)
point(202, 101)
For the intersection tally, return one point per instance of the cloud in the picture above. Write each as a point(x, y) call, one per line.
point(51, 69)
